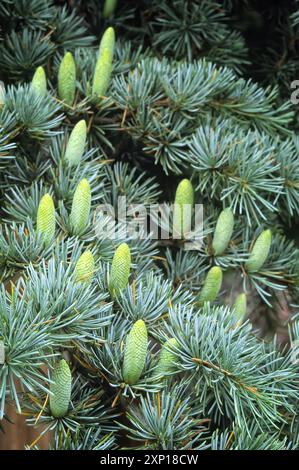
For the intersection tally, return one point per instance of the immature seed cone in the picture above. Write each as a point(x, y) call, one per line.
point(103, 69)
point(135, 353)
point(85, 267)
point(76, 144)
point(240, 306)
point(61, 389)
point(109, 8)
point(45, 223)
point(183, 204)
point(39, 81)
point(120, 269)
point(80, 207)
point(212, 286)
point(166, 358)
point(67, 79)
point(223, 231)
point(259, 251)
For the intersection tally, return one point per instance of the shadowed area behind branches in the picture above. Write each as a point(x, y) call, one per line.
point(17, 434)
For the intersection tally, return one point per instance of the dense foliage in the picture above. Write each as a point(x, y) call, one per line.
point(115, 342)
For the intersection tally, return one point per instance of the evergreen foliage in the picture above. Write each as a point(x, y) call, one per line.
point(108, 341)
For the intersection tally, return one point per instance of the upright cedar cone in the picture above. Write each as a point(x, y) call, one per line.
point(120, 270)
point(212, 286)
point(183, 204)
point(109, 8)
point(45, 223)
point(259, 251)
point(76, 144)
point(85, 267)
point(135, 353)
point(166, 358)
point(223, 231)
point(103, 69)
point(67, 79)
point(60, 389)
point(80, 207)
point(39, 81)
point(240, 306)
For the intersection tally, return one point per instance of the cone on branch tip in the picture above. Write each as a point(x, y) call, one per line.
point(76, 144)
point(45, 223)
point(60, 389)
point(39, 81)
point(259, 252)
point(183, 205)
point(211, 286)
point(103, 68)
point(80, 211)
point(120, 269)
point(240, 306)
point(223, 231)
point(166, 358)
point(67, 79)
point(85, 266)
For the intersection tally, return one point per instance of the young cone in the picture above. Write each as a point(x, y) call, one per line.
point(240, 306)
point(103, 69)
point(85, 268)
point(67, 79)
point(223, 231)
point(45, 222)
point(183, 204)
point(135, 353)
point(80, 207)
point(259, 251)
point(120, 270)
point(212, 286)
point(2, 352)
point(76, 144)
point(166, 358)
point(109, 8)
point(39, 81)
point(60, 389)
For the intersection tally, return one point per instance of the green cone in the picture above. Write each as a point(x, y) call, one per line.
point(85, 267)
point(183, 204)
point(67, 79)
point(223, 231)
point(80, 207)
point(240, 306)
point(2, 352)
point(259, 251)
point(109, 8)
point(103, 69)
point(135, 353)
point(212, 286)
point(60, 389)
point(76, 144)
point(166, 358)
point(120, 270)
point(45, 223)
point(39, 81)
